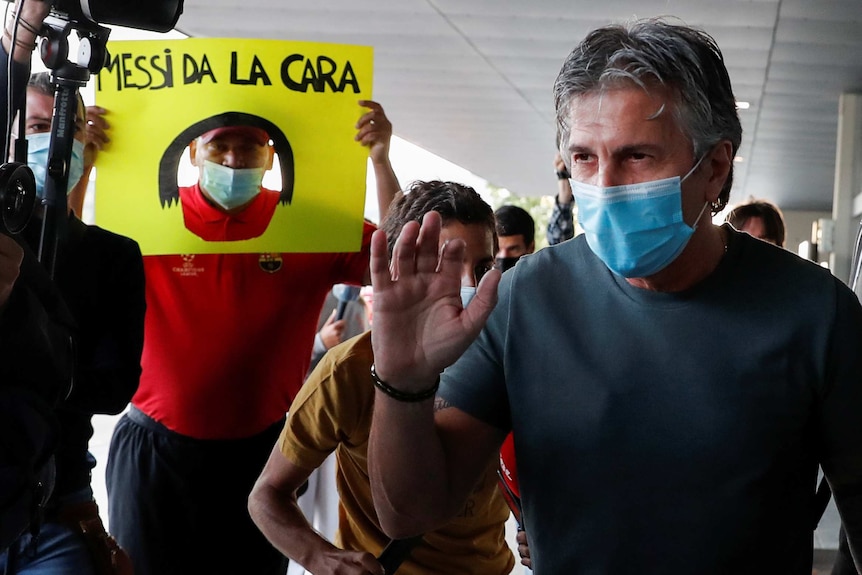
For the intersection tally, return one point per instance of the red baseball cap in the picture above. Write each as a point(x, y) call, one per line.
point(259, 135)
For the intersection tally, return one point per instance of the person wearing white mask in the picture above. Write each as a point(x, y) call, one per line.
point(671, 385)
point(228, 202)
point(332, 413)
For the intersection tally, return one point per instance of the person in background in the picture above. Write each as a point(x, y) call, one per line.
point(332, 413)
point(760, 219)
point(333, 330)
point(227, 344)
point(670, 416)
point(516, 233)
point(101, 279)
point(561, 225)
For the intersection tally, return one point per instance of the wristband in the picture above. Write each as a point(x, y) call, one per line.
point(563, 174)
point(405, 396)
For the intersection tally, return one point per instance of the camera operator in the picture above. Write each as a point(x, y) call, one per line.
point(100, 276)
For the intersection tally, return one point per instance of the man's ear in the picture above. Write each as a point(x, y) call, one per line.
point(193, 151)
point(271, 151)
point(532, 247)
point(720, 161)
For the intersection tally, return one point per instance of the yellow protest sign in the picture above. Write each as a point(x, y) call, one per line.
point(160, 95)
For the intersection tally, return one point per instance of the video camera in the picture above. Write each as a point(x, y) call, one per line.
point(17, 187)
point(160, 16)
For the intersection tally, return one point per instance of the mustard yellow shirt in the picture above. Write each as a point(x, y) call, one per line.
point(332, 412)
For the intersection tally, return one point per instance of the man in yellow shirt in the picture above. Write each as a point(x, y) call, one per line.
point(333, 412)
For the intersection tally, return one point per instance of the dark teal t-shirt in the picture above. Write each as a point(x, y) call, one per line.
point(670, 433)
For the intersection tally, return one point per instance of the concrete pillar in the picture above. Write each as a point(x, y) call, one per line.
point(847, 195)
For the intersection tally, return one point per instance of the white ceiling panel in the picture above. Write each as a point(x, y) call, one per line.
point(471, 80)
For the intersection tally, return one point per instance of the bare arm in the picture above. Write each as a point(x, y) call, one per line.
point(561, 224)
point(564, 188)
point(32, 16)
point(274, 509)
point(375, 132)
point(423, 463)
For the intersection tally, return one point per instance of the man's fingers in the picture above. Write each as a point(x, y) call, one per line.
point(373, 126)
point(331, 319)
point(427, 255)
point(404, 252)
point(380, 275)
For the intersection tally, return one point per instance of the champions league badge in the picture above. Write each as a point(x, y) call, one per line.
point(270, 263)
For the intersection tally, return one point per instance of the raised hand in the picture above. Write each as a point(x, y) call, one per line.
point(374, 130)
point(97, 127)
point(420, 326)
point(332, 331)
point(341, 562)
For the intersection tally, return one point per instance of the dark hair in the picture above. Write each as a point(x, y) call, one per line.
point(451, 200)
point(653, 52)
point(41, 82)
point(512, 221)
point(769, 214)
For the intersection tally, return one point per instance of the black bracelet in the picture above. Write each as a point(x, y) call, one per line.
point(563, 174)
point(399, 395)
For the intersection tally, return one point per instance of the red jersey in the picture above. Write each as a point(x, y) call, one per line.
point(228, 337)
point(213, 225)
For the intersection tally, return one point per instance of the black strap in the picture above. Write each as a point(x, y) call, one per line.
point(396, 552)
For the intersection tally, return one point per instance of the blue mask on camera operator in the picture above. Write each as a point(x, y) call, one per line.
point(37, 160)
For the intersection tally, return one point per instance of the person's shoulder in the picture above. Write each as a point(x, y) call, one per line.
point(341, 383)
point(270, 197)
point(785, 271)
point(767, 255)
point(350, 356)
point(112, 241)
point(568, 255)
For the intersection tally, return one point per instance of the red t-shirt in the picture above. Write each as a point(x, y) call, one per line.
point(228, 337)
point(211, 224)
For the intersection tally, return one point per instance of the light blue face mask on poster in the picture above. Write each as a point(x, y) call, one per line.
point(636, 230)
point(229, 187)
point(37, 161)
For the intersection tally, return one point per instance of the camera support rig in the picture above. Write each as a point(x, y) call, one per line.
point(67, 78)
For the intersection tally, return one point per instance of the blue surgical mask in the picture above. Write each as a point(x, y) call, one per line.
point(636, 230)
point(229, 187)
point(467, 293)
point(37, 160)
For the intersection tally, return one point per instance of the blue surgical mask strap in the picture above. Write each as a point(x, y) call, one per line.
point(693, 168)
point(705, 204)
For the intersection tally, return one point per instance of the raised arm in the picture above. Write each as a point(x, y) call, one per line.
point(375, 132)
point(423, 463)
point(97, 138)
point(32, 16)
point(30, 20)
point(274, 509)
